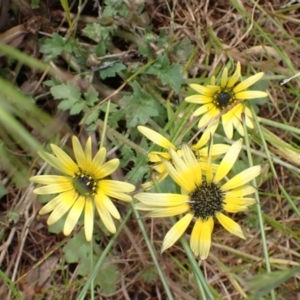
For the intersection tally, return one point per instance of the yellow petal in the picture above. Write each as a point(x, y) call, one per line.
point(192, 164)
point(228, 160)
point(250, 95)
point(62, 207)
point(232, 208)
point(143, 207)
point(109, 206)
point(98, 160)
point(234, 205)
point(88, 153)
point(224, 78)
point(235, 77)
point(155, 156)
point(206, 135)
point(181, 176)
point(88, 219)
point(50, 179)
point(107, 168)
point(208, 118)
point(74, 215)
point(203, 109)
point(118, 186)
point(159, 168)
point(78, 153)
point(227, 124)
point(57, 163)
point(201, 237)
point(216, 150)
point(65, 159)
point(105, 216)
point(238, 125)
point(155, 137)
point(54, 188)
point(176, 231)
point(159, 178)
point(240, 192)
point(200, 99)
point(241, 178)
point(248, 82)
point(169, 211)
point(52, 204)
point(230, 225)
point(162, 199)
point(207, 91)
point(116, 189)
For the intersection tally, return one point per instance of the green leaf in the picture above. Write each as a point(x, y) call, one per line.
point(55, 46)
point(168, 74)
point(91, 116)
point(140, 106)
point(108, 278)
point(91, 96)
point(2, 190)
point(77, 248)
point(114, 8)
point(66, 91)
point(127, 155)
point(69, 93)
point(58, 226)
point(112, 70)
point(66, 104)
point(262, 284)
point(135, 174)
point(184, 49)
point(77, 108)
point(93, 31)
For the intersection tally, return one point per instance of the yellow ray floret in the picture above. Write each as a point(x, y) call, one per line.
point(83, 188)
point(205, 196)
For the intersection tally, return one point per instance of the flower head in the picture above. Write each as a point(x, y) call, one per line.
point(203, 198)
point(227, 98)
point(155, 157)
point(83, 187)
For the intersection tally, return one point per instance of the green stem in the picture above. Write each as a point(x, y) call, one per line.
point(120, 137)
point(92, 267)
point(258, 206)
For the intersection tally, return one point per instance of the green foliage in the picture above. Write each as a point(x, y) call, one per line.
point(2, 189)
point(75, 101)
point(77, 250)
point(140, 106)
point(262, 284)
point(114, 8)
point(149, 275)
point(55, 45)
point(127, 155)
point(100, 34)
point(112, 70)
point(169, 74)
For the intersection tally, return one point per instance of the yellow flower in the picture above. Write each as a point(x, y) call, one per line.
point(83, 187)
point(202, 198)
point(155, 157)
point(229, 95)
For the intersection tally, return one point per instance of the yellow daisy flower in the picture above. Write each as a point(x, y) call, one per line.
point(155, 157)
point(202, 198)
point(83, 187)
point(228, 95)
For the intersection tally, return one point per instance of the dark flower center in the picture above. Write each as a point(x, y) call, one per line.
point(84, 183)
point(224, 99)
point(206, 200)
